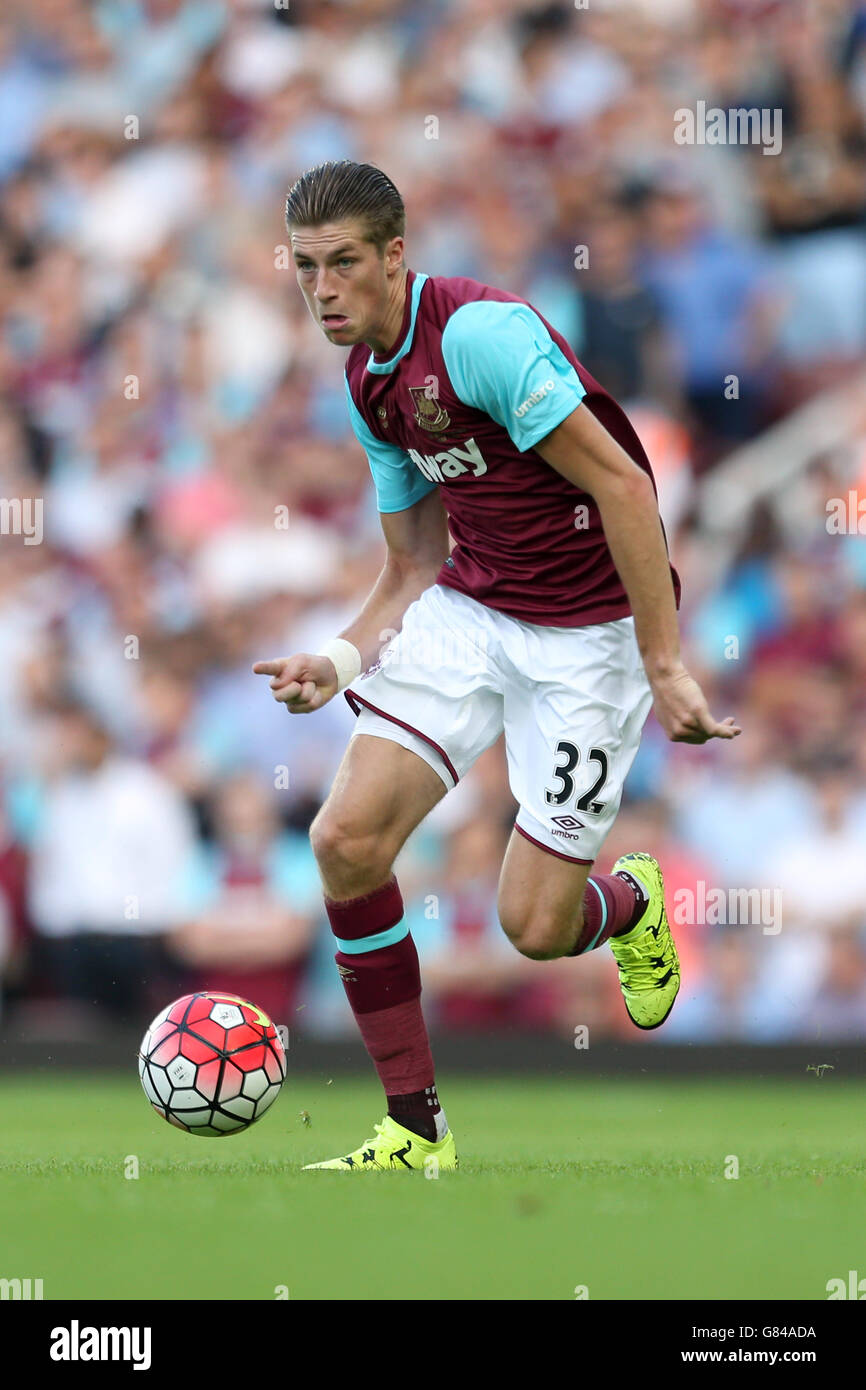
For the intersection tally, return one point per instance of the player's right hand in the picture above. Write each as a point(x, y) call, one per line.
point(681, 708)
point(302, 682)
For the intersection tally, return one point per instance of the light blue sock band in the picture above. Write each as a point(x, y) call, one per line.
point(603, 917)
point(374, 942)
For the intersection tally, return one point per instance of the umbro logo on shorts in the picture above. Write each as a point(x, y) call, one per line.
point(569, 826)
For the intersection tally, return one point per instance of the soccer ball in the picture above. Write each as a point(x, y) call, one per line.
point(211, 1063)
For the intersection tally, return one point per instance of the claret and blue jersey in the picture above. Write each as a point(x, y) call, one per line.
point(476, 380)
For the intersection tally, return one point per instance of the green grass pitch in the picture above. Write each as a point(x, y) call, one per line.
point(617, 1186)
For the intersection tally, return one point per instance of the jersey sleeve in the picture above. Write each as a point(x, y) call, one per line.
point(398, 482)
point(501, 359)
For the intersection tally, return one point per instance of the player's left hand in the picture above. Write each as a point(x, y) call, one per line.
point(682, 710)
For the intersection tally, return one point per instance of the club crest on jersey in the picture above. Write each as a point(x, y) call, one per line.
point(429, 413)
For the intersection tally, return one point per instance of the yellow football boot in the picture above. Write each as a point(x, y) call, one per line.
point(649, 967)
point(395, 1148)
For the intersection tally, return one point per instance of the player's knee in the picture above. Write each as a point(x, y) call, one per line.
point(347, 854)
point(537, 933)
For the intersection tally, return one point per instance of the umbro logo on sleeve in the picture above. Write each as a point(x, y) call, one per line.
point(535, 396)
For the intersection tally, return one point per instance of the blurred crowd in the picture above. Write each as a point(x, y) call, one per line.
point(180, 494)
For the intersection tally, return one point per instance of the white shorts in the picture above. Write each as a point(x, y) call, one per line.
point(571, 701)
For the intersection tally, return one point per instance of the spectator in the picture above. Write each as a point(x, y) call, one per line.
point(250, 904)
point(105, 872)
point(717, 305)
point(14, 923)
point(837, 1010)
point(824, 890)
point(738, 999)
point(473, 974)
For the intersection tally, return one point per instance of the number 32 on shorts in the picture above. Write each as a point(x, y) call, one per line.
point(570, 755)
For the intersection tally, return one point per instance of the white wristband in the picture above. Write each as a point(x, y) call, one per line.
point(346, 659)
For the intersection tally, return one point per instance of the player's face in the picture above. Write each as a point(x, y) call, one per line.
point(347, 283)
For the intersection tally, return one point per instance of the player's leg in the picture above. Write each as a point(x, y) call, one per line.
point(382, 791)
point(571, 738)
point(551, 906)
point(424, 717)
